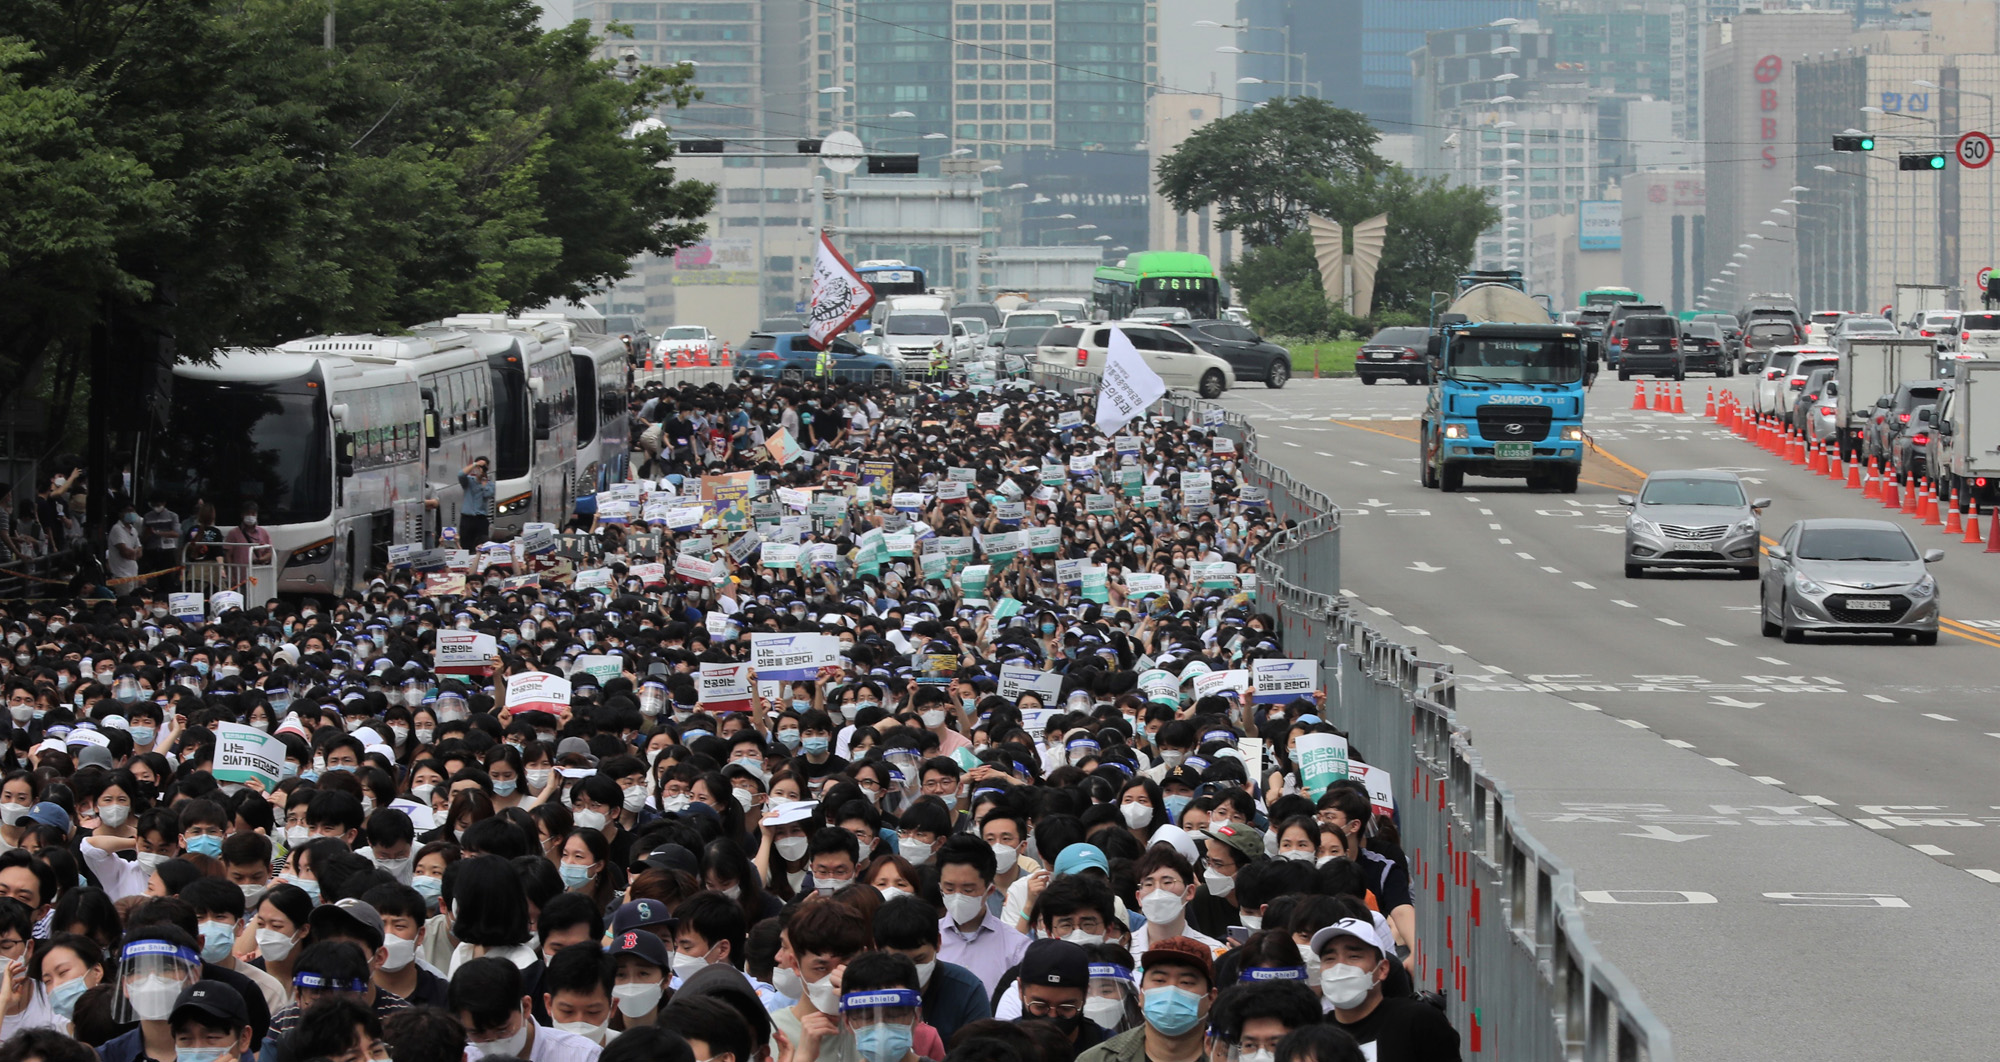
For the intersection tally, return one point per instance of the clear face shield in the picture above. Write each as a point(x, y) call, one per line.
point(1113, 1000)
point(451, 708)
point(883, 1021)
point(653, 698)
point(151, 974)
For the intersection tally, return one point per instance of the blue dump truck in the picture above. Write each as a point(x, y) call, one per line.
point(1508, 383)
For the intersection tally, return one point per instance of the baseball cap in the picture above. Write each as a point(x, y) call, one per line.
point(50, 813)
point(672, 857)
point(347, 915)
point(1079, 857)
point(1244, 840)
point(641, 914)
point(1349, 927)
point(1180, 951)
point(1055, 962)
point(640, 944)
point(214, 999)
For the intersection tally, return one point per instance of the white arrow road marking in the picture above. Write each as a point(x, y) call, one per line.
point(1661, 833)
point(1423, 566)
point(1731, 702)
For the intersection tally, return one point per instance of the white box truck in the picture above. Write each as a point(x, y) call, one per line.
point(1967, 446)
point(1913, 299)
point(1872, 366)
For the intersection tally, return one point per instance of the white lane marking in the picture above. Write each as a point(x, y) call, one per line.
point(1587, 707)
point(1720, 762)
point(1390, 472)
point(1721, 641)
point(1524, 556)
point(1289, 443)
point(1766, 779)
point(1363, 464)
point(1474, 501)
point(1378, 610)
point(1873, 824)
point(1486, 512)
point(1552, 571)
point(1623, 604)
point(1986, 875)
point(1634, 724)
point(1679, 744)
point(1668, 622)
point(1496, 669)
point(1773, 660)
point(1582, 584)
point(1493, 527)
point(1820, 800)
point(1416, 630)
point(1322, 453)
point(1452, 649)
point(1939, 718)
point(1879, 697)
point(1929, 849)
point(1504, 541)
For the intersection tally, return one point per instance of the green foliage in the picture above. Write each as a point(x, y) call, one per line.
point(1262, 170)
point(210, 172)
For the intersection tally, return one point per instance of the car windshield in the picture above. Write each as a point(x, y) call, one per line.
point(1692, 492)
point(1023, 335)
point(1516, 359)
point(684, 333)
point(914, 324)
point(973, 326)
point(1035, 318)
point(1855, 544)
point(1772, 328)
point(1867, 324)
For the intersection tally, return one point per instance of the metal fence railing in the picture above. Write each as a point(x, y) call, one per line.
point(1499, 932)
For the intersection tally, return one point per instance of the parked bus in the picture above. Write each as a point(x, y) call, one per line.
point(603, 414)
point(534, 393)
point(1157, 278)
point(1608, 297)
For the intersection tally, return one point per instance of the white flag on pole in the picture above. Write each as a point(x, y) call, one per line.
point(839, 295)
point(1128, 387)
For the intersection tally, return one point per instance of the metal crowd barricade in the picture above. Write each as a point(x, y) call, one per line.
point(697, 376)
point(1499, 931)
point(231, 566)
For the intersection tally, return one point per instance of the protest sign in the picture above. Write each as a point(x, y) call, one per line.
point(1276, 681)
point(537, 691)
point(464, 653)
point(1322, 760)
point(245, 752)
point(792, 657)
point(1017, 678)
point(724, 687)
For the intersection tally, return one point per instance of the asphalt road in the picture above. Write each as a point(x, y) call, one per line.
point(1658, 742)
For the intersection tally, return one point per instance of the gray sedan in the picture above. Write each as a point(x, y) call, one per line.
point(1691, 519)
point(1849, 576)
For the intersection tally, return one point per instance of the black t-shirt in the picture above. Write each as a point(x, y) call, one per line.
point(1406, 1030)
point(1212, 915)
point(811, 770)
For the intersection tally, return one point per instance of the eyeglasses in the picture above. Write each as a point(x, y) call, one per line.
point(1043, 1009)
point(1218, 864)
point(11, 946)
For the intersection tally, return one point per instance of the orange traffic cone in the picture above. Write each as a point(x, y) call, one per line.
point(1972, 526)
point(1678, 406)
point(1639, 395)
point(1833, 470)
point(1951, 524)
point(1710, 411)
point(1932, 518)
point(1993, 544)
point(1854, 475)
point(1872, 487)
point(1891, 498)
point(1911, 506)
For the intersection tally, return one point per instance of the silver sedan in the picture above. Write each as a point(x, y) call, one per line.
point(1849, 576)
point(1697, 518)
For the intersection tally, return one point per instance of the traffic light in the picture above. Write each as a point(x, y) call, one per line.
point(698, 147)
point(1920, 160)
point(1844, 142)
point(892, 164)
point(809, 147)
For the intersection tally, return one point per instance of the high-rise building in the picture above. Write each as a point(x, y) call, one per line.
point(1628, 52)
point(1536, 159)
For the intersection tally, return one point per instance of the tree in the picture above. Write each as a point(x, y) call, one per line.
point(202, 175)
point(1261, 169)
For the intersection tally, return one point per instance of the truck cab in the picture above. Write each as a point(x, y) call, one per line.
point(1507, 397)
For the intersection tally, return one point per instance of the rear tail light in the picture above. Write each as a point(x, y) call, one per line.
point(1826, 411)
point(1964, 336)
point(1924, 332)
point(1082, 356)
point(1409, 354)
point(1979, 482)
point(1904, 417)
point(1673, 344)
point(1922, 438)
point(769, 355)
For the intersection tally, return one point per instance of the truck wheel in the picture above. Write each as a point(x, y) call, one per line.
point(1451, 479)
point(1566, 480)
point(1426, 471)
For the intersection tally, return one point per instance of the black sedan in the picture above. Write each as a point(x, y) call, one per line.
point(1396, 352)
point(1251, 355)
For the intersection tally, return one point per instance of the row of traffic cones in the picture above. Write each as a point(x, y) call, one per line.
point(1917, 498)
point(1666, 397)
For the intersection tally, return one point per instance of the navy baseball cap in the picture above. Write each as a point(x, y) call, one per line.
point(641, 944)
point(641, 914)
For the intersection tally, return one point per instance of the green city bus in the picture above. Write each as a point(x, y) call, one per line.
point(1158, 278)
point(1608, 297)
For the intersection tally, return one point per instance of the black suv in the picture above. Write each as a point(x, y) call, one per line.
point(1251, 355)
point(1650, 345)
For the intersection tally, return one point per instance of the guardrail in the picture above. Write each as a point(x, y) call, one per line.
point(1499, 931)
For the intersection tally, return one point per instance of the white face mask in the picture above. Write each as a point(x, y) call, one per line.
point(635, 797)
point(589, 819)
point(636, 1001)
point(1078, 936)
point(1218, 884)
point(401, 951)
point(595, 1033)
point(791, 848)
point(964, 907)
point(1252, 922)
point(1345, 986)
point(686, 966)
point(824, 995)
point(924, 971)
point(1105, 1011)
point(1138, 816)
point(1161, 906)
point(1005, 856)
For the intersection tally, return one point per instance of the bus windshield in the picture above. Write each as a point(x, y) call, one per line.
point(1516, 359)
point(233, 442)
point(1199, 296)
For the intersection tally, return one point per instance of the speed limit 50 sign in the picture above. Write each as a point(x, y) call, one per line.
point(1975, 149)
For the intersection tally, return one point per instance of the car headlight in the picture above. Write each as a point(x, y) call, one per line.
point(1807, 586)
point(515, 505)
point(1643, 526)
point(1573, 433)
point(1923, 587)
point(1455, 431)
point(1747, 527)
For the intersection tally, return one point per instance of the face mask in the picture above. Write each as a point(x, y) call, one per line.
point(509, 1047)
point(431, 887)
point(12, 814)
point(1218, 884)
point(686, 966)
point(1078, 936)
point(152, 998)
point(1005, 856)
point(800, 706)
point(788, 738)
point(505, 788)
point(788, 982)
point(1171, 1010)
point(206, 844)
point(114, 815)
point(216, 940)
point(1137, 816)
point(636, 1001)
point(21, 712)
point(1345, 986)
point(917, 854)
point(573, 875)
point(591, 1031)
point(273, 945)
point(734, 892)
point(401, 952)
point(815, 746)
point(1105, 1011)
point(882, 1042)
point(1311, 960)
point(1162, 906)
point(791, 848)
point(589, 820)
point(64, 996)
point(824, 995)
point(934, 717)
point(142, 736)
point(1252, 922)
point(964, 907)
point(635, 797)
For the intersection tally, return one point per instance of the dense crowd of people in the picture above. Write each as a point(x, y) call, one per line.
point(1005, 791)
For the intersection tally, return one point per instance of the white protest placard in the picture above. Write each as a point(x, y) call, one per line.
point(721, 626)
point(1069, 418)
point(1128, 387)
point(793, 498)
point(653, 574)
point(988, 419)
point(905, 501)
point(1322, 760)
point(591, 578)
point(1160, 685)
point(1082, 465)
point(464, 653)
point(245, 752)
point(537, 691)
point(1017, 678)
point(951, 492)
point(1277, 681)
point(187, 606)
point(1234, 680)
point(1381, 789)
point(787, 657)
point(697, 570)
point(604, 668)
point(1045, 539)
point(1069, 570)
point(1141, 584)
point(613, 510)
point(681, 517)
point(781, 555)
point(724, 687)
point(1223, 446)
